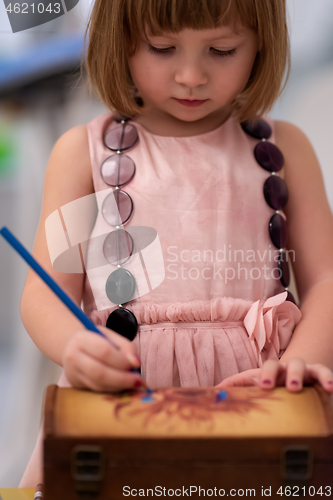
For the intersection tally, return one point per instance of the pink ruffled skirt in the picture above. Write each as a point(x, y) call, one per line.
point(201, 343)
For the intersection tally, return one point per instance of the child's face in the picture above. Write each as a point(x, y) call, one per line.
point(192, 68)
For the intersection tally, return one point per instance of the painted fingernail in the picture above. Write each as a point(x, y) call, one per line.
point(266, 382)
point(294, 382)
point(137, 383)
point(133, 359)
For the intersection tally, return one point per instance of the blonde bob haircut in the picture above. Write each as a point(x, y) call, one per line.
point(115, 28)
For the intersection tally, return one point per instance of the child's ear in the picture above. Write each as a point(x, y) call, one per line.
point(136, 97)
point(138, 100)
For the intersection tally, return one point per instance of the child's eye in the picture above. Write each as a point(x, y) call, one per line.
point(217, 52)
point(154, 50)
point(224, 53)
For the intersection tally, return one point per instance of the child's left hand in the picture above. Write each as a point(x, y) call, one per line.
point(293, 374)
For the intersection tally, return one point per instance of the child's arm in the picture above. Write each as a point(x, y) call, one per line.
point(310, 223)
point(89, 359)
point(309, 356)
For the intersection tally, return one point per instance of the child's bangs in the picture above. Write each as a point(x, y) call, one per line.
point(157, 16)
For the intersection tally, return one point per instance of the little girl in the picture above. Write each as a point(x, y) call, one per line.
point(200, 175)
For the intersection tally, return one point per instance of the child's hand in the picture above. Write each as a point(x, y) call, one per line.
point(90, 361)
point(293, 374)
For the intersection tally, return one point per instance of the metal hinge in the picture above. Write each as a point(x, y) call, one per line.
point(87, 467)
point(296, 463)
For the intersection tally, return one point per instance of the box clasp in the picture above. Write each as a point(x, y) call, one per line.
point(87, 468)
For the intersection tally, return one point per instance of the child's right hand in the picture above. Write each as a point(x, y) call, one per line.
point(90, 361)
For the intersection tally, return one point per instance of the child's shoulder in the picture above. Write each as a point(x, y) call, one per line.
point(70, 160)
point(299, 154)
point(289, 134)
point(75, 138)
point(72, 156)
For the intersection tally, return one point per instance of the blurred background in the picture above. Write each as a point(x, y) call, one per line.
point(41, 98)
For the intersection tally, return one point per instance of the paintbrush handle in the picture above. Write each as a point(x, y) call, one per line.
point(52, 284)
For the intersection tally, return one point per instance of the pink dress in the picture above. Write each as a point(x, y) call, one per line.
point(220, 308)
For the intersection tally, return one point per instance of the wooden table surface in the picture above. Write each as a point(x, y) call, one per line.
point(17, 493)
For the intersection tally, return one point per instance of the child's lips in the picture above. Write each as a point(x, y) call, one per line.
point(191, 102)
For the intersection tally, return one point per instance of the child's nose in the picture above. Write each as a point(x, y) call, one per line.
point(191, 74)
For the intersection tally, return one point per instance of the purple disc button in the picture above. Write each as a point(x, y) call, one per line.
point(278, 231)
point(118, 247)
point(124, 322)
point(269, 156)
point(283, 266)
point(117, 208)
point(259, 129)
point(276, 192)
point(120, 286)
point(117, 170)
point(121, 137)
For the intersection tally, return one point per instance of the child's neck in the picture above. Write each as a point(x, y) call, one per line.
point(169, 126)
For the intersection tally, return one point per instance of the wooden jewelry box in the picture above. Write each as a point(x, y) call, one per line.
point(244, 441)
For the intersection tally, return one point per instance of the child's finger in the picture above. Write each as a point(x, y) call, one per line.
point(99, 348)
point(98, 376)
point(244, 379)
point(295, 374)
point(105, 353)
point(126, 346)
point(321, 373)
point(268, 374)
